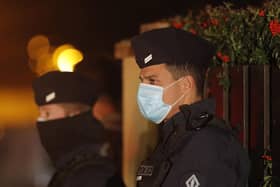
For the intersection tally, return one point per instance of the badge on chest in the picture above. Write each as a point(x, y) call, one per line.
point(145, 170)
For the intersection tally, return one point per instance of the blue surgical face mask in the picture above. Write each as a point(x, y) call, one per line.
point(151, 104)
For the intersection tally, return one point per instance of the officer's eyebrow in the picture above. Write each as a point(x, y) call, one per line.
point(147, 77)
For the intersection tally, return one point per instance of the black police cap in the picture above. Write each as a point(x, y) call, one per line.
point(171, 46)
point(61, 87)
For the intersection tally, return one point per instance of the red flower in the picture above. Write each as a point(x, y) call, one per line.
point(222, 57)
point(177, 25)
point(267, 157)
point(225, 59)
point(274, 27)
point(219, 54)
point(204, 25)
point(193, 31)
point(214, 21)
point(261, 13)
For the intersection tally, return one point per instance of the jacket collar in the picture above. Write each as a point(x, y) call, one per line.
point(190, 117)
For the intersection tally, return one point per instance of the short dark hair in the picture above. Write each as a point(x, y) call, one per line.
point(196, 71)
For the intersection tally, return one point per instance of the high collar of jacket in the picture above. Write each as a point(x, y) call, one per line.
point(190, 117)
point(65, 138)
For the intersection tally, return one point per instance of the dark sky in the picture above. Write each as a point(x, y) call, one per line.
point(96, 24)
point(91, 25)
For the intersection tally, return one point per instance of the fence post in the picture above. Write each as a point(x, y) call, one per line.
point(266, 107)
point(226, 101)
point(246, 106)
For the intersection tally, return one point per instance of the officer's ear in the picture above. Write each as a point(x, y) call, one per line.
point(188, 83)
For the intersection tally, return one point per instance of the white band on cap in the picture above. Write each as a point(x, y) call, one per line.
point(50, 97)
point(148, 58)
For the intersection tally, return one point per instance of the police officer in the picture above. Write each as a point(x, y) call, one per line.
point(72, 137)
point(195, 148)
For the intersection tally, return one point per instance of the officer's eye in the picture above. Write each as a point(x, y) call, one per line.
point(152, 81)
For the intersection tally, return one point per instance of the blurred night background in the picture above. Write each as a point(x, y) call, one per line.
point(93, 27)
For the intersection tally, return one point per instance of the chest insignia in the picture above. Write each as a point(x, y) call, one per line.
point(145, 170)
point(192, 181)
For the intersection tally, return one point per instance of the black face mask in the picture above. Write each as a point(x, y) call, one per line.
point(63, 136)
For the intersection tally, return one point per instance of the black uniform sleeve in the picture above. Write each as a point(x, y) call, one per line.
point(208, 160)
point(97, 177)
point(97, 172)
point(87, 177)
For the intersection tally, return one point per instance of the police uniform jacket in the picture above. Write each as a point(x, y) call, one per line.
point(195, 150)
